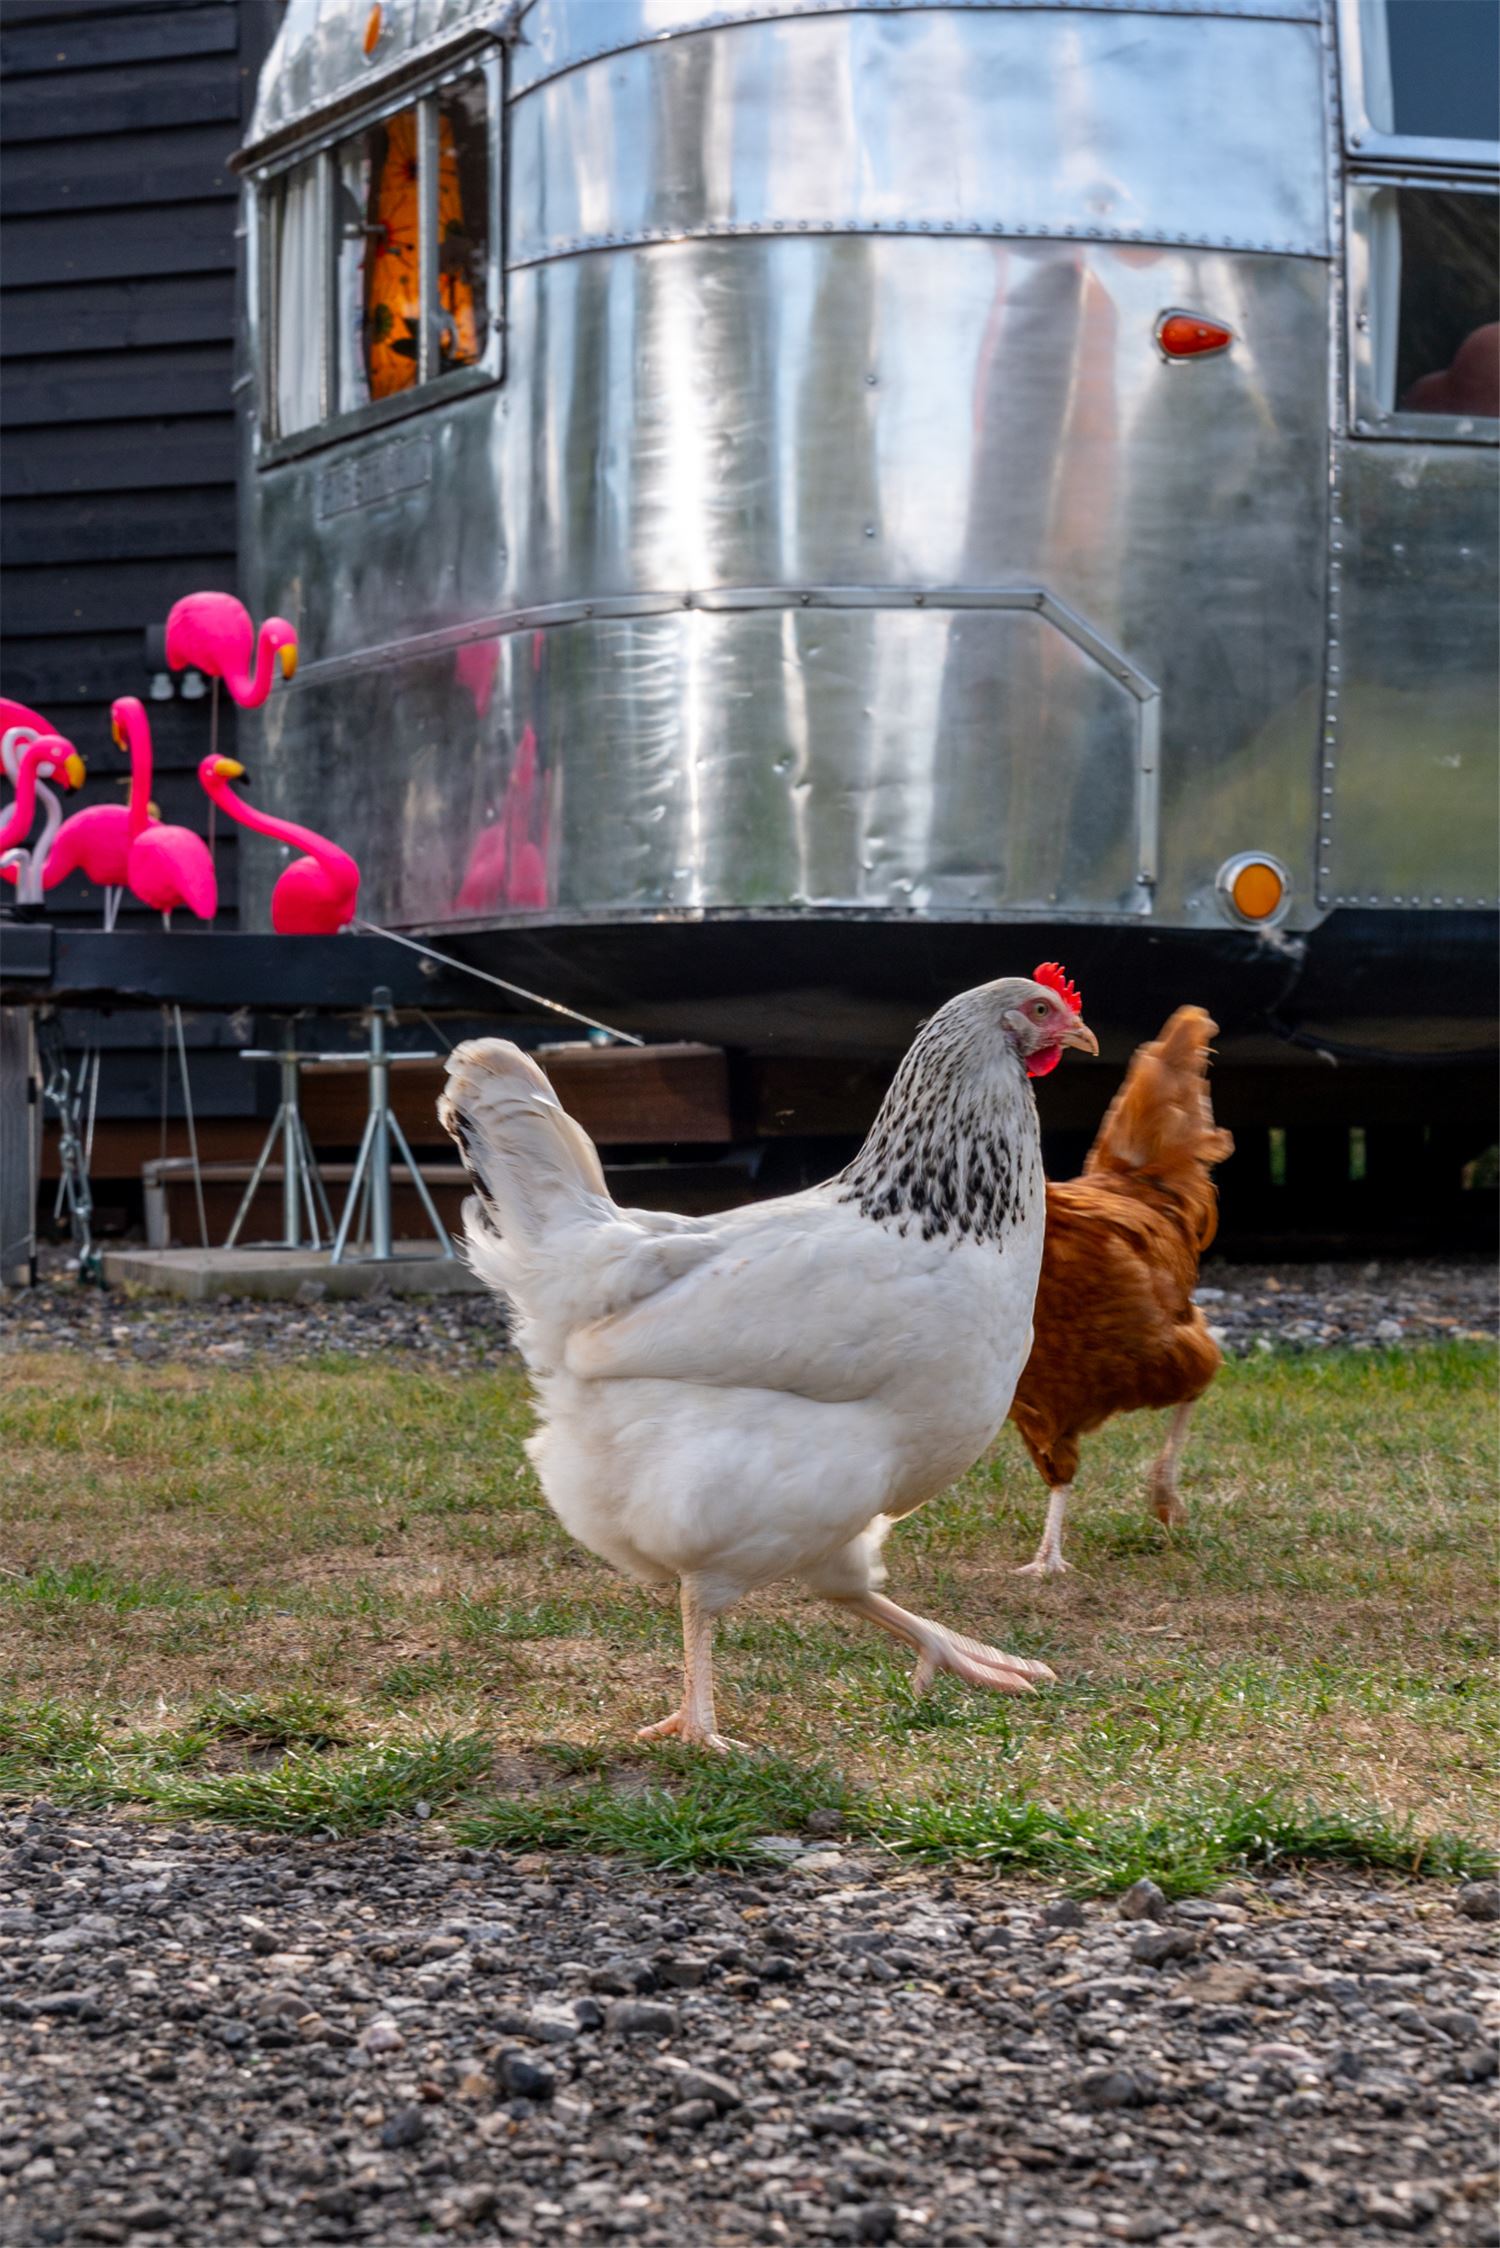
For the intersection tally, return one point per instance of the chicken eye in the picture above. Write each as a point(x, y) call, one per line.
point(1040, 1009)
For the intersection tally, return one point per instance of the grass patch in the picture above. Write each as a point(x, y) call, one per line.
point(77, 1757)
point(314, 1598)
point(713, 1814)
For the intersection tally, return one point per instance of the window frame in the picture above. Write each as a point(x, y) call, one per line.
point(1367, 143)
point(1368, 418)
point(485, 61)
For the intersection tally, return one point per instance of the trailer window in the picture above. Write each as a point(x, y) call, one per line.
point(296, 207)
point(382, 276)
point(1430, 70)
point(463, 255)
point(1426, 311)
point(380, 262)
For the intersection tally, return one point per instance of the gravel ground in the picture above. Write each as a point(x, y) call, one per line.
point(1250, 1307)
point(211, 2039)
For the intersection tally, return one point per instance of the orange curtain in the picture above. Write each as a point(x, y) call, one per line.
point(392, 292)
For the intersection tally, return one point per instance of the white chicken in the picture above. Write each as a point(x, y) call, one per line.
point(733, 1399)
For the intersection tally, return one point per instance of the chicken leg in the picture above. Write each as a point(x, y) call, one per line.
point(694, 1721)
point(1162, 1489)
point(1048, 1560)
point(940, 1649)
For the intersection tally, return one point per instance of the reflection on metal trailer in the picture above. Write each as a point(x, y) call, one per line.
point(797, 506)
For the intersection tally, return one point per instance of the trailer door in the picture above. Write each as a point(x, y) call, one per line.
point(1409, 784)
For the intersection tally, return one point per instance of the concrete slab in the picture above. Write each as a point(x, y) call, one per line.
point(291, 1275)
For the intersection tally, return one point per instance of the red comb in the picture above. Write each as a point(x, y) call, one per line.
point(1054, 976)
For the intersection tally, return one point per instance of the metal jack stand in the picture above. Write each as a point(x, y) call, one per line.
point(69, 1098)
point(301, 1180)
point(370, 1187)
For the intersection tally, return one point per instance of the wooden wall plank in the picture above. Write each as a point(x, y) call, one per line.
point(52, 248)
point(116, 386)
point(117, 315)
point(186, 166)
point(115, 526)
point(136, 100)
point(93, 597)
point(63, 41)
point(57, 673)
point(97, 457)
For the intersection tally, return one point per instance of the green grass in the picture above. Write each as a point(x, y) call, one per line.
point(314, 1599)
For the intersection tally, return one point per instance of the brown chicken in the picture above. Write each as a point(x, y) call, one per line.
point(1115, 1326)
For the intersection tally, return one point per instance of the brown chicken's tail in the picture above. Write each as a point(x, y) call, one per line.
point(1160, 1124)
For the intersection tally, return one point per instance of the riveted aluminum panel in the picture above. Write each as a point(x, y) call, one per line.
point(1414, 808)
point(774, 415)
point(788, 757)
point(1202, 129)
point(557, 34)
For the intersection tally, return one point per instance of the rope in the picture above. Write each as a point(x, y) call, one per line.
point(517, 991)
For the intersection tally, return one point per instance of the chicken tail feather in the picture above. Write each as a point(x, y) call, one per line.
point(533, 1168)
point(1161, 1122)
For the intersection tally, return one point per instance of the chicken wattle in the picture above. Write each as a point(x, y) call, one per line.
point(739, 1398)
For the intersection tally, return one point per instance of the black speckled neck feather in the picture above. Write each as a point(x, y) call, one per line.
point(955, 1152)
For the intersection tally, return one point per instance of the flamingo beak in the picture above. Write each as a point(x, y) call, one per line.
point(288, 656)
point(74, 770)
point(228, 769)
point(117, 733)
point(153, 811)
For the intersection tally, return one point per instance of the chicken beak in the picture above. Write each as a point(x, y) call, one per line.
point(1078, 1034)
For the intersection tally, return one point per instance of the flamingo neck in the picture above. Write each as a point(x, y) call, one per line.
point(32, 859)
point(257, 688)
point(17, 821)
point(335, 863)
point(13, 747)
point(138, 747)
point(51, 822)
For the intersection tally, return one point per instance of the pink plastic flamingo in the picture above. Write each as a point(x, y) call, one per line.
point(48, 754)
point(20, 725)
point(316, 895)
point(165, 867)
point(213, 633)
point(97, 840)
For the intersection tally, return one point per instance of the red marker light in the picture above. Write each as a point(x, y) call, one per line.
point(1189, 335)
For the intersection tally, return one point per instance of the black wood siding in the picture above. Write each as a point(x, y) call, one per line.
point(118, 249)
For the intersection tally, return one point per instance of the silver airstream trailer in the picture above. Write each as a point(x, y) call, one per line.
point(791, 507)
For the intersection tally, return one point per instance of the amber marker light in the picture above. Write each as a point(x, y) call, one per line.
point(373, 23)
point(1191, 335)
point(1254, 889)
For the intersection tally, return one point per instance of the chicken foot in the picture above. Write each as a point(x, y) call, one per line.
point(694, 1721)
point(940, 1649)
point(1162, 1489)
point(1048, 1560)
